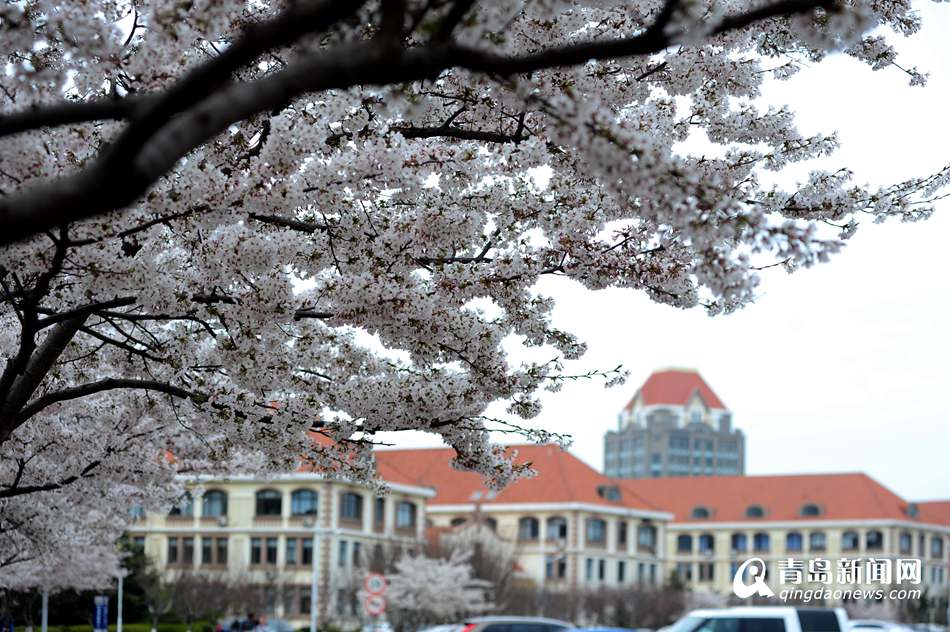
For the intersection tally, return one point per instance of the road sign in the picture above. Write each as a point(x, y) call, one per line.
point(375, 605)
point(375, 584)
point(101, 614)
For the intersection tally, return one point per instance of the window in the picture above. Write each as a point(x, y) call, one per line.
point(405, 515)
point(214, 551)
point(874, 540)
point(754, 511)
point(793, 541)
point(684, 543)
point(187, 550)
point(357, 550)
point(706, 543)
point(596, 531)
point(601, 570)
point(589, 569)
point(906, 543)
point(684, 571)
point(706, 572)
point(936, 547)
point(528, 528)
point(351, 507)
point(700, 513)
point(739, 542)
point(817, 620)
point(221, 551)
point(761, 542)
point(811, 510)
point(306, 551)
point(214, 504)
point(138, 543)
point(303, 502)
point(622, 534)
point(267, 502)
point(290, 554)
point(379, 515)
point(735, 624)
point(263, 551)
point(343, 552)
point(455, 522)
point(557, 528)
point(817, 541)
point(621, 571)
point(172, 550)
point(646, 537)
point(185, 509)
point(556, 568)
point(849, 541)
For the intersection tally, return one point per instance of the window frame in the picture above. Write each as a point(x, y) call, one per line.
point(260, 502)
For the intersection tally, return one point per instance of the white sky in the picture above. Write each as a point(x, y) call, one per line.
point(844, 367)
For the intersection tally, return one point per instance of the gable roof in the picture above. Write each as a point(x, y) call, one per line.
point(934, 512)
point(562, 478)
point(675, 387)
point(850, 496)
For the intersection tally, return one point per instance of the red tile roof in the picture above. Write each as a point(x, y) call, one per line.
point(562, 478)
point(934, 512)
point(839, 496)
point(675, 387)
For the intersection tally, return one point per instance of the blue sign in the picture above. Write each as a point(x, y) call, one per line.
point(101, 614)
point(6, 625)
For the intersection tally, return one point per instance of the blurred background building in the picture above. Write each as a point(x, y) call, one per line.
point(675, 425)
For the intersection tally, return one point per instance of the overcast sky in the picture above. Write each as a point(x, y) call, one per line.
point(844, 367)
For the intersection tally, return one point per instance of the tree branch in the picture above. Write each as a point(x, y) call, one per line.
point(154, 142)
point(92, 388)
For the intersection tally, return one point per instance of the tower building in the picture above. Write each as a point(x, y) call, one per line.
point(675, 425)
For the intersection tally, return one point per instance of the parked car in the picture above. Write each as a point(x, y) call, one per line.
point(451, 627)
point(383, 626)
point(876, 625)
point(763, 619)
point(514, 624)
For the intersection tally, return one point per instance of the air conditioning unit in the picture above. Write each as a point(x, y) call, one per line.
point(222, 521)
point(309, 521)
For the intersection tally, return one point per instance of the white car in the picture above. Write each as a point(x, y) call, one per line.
point(763, 619)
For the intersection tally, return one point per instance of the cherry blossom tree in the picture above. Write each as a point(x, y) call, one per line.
point(424, 590)
point(229, 223)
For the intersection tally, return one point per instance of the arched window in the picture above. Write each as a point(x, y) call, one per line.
point(850, 541)
point(874, 540)
point(793, 541)
point(761, 542)
point(811, 510)
point(646, 537)
point(351, 506)
point(700, 513)
point(185, 508)
point(936, 547)
point(684, 543)
point(739, 542)
point(214, 504)
point(303, 502)
point(596, 531)
point(458, 521)
point(817, 541)
point(556, 528)
point(754, 511)
point(706, 543)
point(405, 515)
point(491, 523)
point(528, 528)
point(906, 543)
point(267, 502)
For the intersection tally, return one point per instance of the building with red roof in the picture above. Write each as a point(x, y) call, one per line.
point(674, 425)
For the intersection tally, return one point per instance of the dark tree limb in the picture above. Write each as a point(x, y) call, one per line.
point(205, 105)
